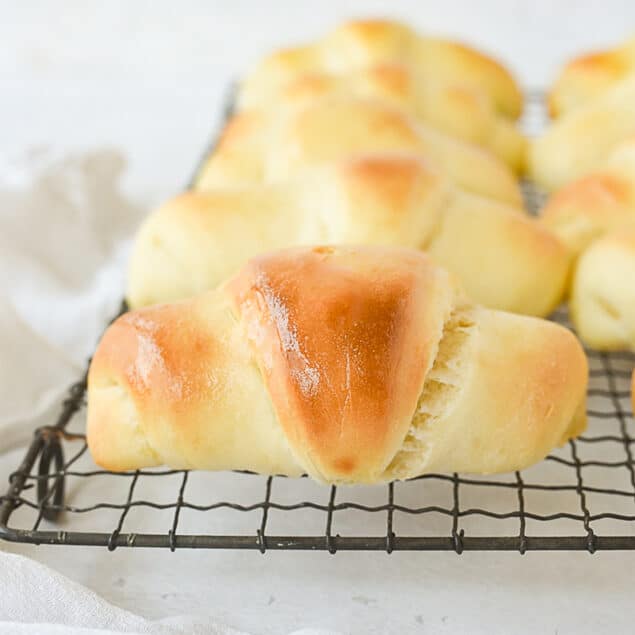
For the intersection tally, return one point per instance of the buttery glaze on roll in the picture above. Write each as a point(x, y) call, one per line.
point(351, 364)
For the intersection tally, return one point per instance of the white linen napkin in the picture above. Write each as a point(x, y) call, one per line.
point(64, 231)
point(37, 600)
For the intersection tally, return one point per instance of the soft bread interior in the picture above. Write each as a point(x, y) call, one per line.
point(439, 391)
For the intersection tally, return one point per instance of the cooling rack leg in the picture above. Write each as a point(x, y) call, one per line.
point(17, 483)
point(51, 482)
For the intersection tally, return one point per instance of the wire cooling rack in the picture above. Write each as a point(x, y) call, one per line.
point(582, 497)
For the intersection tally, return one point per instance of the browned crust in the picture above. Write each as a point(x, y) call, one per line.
point(162, 354)
point(344, 338)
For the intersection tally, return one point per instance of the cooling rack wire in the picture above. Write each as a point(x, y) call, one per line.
point(582, 497)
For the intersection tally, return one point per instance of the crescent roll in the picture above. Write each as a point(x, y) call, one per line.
point(588, 76)
point(595, 218)
point(456, 109)
point(269, 146)
point(504, 258)
point(602, 303)
point(361, 43)
point(350, 364)
point(582, 140)
point(599, 202)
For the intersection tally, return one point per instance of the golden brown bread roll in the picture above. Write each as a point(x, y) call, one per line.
point(352, 364)
point(361, 43)
point(582, 140)
point(601, 201)
point(603, 292)
point(588, 76)
point(504, 259)
point(458, 110)
point(269, 146)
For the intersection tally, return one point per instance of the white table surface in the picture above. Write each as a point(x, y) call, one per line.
point(148, 79)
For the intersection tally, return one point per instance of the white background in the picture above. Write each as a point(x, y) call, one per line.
point(147, 78)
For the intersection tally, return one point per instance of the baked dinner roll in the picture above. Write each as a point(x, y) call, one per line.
point(504, 258)
point(458, 110)
point(259, 146)
point(603, 292)
point(599, 202)
point(362, 43)
point(351, 364)
point(588, 76)
point(595, 218)
point(582, 140)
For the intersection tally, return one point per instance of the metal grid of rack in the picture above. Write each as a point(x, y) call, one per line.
point(582, 497)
